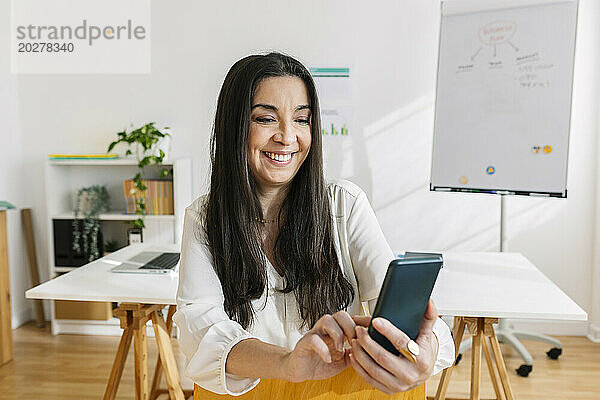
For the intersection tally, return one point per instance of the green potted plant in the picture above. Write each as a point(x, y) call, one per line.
point(150, 148)
point(89, 203)
point(110, 246)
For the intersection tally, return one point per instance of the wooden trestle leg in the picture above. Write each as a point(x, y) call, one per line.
point(167, 357)
point(133, 318)
point(155, 391)
point(117, 368)
point(459, 331)
point(492, 371)
point(481, 328)
point(501, 366)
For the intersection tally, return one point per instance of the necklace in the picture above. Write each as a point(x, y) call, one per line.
point(265, 221)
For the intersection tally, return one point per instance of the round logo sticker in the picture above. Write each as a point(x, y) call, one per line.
point(490, 170)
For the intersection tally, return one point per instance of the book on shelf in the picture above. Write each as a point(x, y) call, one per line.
point(158, 196)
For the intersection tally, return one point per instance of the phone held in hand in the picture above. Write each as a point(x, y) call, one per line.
point(404, 296)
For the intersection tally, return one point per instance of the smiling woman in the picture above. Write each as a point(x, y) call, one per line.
point(280, 136)
point(275, 261)
point(263, 208)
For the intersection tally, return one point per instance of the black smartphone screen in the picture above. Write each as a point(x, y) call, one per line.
point(404, 296)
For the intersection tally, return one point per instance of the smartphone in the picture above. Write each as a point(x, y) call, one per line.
point(414, 254)
point(404, 296)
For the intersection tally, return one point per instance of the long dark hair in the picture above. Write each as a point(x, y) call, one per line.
point(305, 244)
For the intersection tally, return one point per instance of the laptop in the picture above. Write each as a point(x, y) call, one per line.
point(149, 262)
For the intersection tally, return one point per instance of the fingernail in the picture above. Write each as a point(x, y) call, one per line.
point(378, 323)
point(413, 347)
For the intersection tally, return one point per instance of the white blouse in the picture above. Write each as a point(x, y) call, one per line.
point(207, 334)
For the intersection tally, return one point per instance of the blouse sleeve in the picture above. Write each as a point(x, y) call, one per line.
point(371, 255)
point(207, 334)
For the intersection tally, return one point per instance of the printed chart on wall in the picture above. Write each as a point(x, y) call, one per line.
point(334, 88)
point(503, 100)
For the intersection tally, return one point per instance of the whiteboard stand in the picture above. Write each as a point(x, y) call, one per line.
point(505, 331)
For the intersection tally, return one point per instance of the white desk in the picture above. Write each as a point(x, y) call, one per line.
point(95, 282)
point(500, 285)
point(479, 288)
point(142, 298)
point(475, 288)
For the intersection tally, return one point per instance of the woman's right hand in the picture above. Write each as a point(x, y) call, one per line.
point(320, 353)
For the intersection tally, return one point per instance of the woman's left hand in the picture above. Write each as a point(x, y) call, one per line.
point(384, 370)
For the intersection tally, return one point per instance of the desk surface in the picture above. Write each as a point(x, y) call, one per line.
point(503, 285)
point(95, 281)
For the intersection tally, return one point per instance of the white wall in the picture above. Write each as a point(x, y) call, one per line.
point(594, 328)
point(392, 50)
point(12, 188)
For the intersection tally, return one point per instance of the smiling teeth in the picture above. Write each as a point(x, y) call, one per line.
point(279, 157)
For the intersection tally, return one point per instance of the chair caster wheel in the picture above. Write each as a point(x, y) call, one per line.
point(554, 352)
point(524, 370)
point(458, 358)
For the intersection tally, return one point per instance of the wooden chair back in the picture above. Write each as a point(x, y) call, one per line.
point(345, 386)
